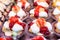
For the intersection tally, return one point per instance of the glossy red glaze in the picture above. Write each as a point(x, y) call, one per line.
point(48, 1)
point(2, 39)
point(14, 7)
point(35, 4)
point(9, 38)
point(44, 30)
point(36, 11)
point(38, 38)
point(13, 19)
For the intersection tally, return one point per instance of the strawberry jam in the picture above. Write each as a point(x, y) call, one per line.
point(9, 38)
point(35, 4)
point(13, 20)
point(44, 30)
point(38, 38)
point(2, 39)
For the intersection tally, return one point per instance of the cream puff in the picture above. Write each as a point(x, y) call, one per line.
point(38, 12)
point(13, 27)
point(40, 27)
point(23, 4)
point(17, 11)
point(41, 3)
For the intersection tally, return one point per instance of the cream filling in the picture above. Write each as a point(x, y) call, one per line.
point(43, 14)
point(8, 33)
point(35, 29)
point(57, 3)
point(11, 14)
point(17, 28)
point(6, 25)
point(21, 13)
point(56, 11)
point(44, 4)
point(20, 4)
point(32, 11)
point(49, 26)
point(58, 25)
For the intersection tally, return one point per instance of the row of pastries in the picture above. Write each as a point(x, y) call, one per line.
point(22, 20)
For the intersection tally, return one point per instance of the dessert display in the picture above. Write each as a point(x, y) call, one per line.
point(13, 27)
point(39, 27)
point(39, 12)
point(29, 19)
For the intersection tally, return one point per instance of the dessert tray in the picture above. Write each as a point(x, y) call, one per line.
point(29, 19)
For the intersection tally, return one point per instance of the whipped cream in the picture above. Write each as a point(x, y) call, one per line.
point(17, 27)
point(32, 11)
point(49, 26)
point(34, 28)
point(58, 3)
point(21, 13)
point(56, 11)
point(11, 14)
point(8, 33)
point(6, 25)
point(58, 25)
point(43, 14)
point(44, 4)
point(20, 4)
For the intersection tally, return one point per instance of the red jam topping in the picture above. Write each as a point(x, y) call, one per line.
point(2, 39)
point(14, 7)
point(9, 38)
point(48, 1)
point(22, 24)
point(35, 4)
point(23, 3)
point(44, 30)
point(36, 11)
point(14, 20)
point(38, 38)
